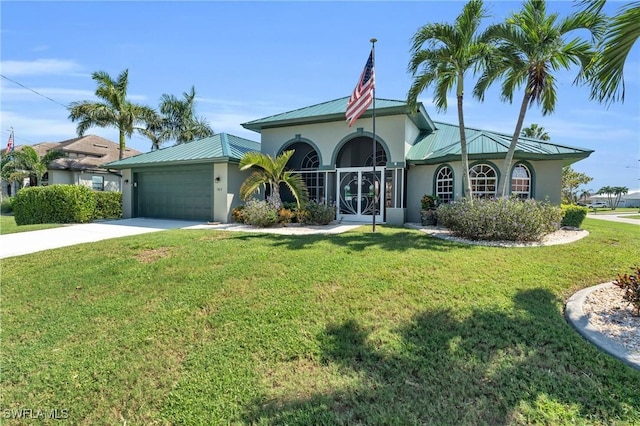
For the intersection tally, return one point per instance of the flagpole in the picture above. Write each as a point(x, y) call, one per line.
point(375, 190)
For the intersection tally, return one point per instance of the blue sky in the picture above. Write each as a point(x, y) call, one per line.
point(249, 60)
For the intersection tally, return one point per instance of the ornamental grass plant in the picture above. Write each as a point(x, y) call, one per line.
point(502, 219)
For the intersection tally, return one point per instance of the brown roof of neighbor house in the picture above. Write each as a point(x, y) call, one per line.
point(83, 153)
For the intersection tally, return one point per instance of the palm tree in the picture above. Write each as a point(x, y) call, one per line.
point(26, 163)
point(530, 46)
point(271, 172)
point(156, 131)
point(179, 118)
point(618, 192)
point(114, 110)
point(535, 131)
point(441, 56)
point(606, 72)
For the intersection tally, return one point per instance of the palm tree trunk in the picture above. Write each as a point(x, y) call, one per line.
point(466, 182)
point(503, 183)
point(122, 145)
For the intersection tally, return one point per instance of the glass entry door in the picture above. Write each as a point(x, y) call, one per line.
point(357, 188)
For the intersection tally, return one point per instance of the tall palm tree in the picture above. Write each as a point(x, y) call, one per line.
point(531, 45)
point(180, 119)
point(535, 131)
point(114, 110)
point(156, 131)
point(606, 73)
point(270, 172)
point(441, 55)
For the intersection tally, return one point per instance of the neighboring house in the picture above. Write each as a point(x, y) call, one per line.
point(81, 164)
point(630, 199)
point(198, 180)
point(416, 156)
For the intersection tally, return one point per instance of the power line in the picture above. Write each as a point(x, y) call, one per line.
point(19, 138)
point(34, 91)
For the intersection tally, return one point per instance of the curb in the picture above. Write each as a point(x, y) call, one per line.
point(580, 321)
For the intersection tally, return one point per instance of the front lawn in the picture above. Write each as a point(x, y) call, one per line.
point(214, 327)
point(8, 225)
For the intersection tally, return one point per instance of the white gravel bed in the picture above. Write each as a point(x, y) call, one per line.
point(561, 236)
point(608, 313)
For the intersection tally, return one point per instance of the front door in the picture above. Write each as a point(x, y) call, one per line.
point(356, 194)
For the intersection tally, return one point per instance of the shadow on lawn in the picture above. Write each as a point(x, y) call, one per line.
point(473, 370)
point(392, 240)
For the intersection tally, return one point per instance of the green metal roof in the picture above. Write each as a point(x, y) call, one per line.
point(443, 144)
point(335, 111)
point(219, 147)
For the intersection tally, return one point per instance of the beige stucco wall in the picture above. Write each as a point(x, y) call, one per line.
point(547, 177)
point(111, 181)
point(327, 136)
point(127, 194)
point(61, 177)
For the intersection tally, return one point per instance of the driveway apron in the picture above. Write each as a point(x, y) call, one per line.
point(22, 243)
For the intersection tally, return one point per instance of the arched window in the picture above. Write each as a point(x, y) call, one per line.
point(521, 181)
point(305, 161)
point(484, 181)
point(444, 184)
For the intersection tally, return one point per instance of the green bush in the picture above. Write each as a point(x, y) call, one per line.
point(108, 205)
point(54, 204)
point(573, 215)
point(260, 213)
point(7, 205)
point(314, 213)
point(504, 219)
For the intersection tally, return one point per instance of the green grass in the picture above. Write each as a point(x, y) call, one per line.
point(397, 327)
point(636, 216)
point(8, 225)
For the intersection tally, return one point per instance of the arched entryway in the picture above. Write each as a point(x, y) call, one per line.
point(358, 187)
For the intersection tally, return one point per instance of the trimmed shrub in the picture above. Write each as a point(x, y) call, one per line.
point(237, 214)
point(54, 204)
point(260, 213)
point(108, 205)
point(504, 219)
point(7, 205)
point(314, 213)
point(573, 215)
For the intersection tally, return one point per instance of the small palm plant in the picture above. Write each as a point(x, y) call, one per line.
point(271, 172)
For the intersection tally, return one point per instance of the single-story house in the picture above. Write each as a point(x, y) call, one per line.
point(81, 164)
point(199, 180)
point(414, 156)
point(630, 199)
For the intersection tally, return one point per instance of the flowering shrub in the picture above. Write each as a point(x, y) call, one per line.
point(504, 219)
point(631, 286)
point(314, 213)
point(260, 213)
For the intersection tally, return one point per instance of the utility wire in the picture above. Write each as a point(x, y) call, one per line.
point(34, 91)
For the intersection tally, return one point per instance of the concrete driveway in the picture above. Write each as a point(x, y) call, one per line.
point(30, 242)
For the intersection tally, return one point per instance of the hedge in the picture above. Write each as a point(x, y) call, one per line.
point(54, 204)
point(108, 205)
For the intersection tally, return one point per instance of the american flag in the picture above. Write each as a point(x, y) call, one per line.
point(10, 143)
point(362, 95)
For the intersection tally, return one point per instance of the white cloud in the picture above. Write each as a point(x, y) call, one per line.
point(39, 67)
